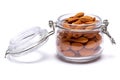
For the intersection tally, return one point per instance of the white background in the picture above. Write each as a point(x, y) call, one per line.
point(19, 15)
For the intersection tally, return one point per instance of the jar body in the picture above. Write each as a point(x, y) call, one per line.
point(78, 45)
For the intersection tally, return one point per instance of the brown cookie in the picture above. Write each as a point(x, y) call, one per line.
point(71, 19)
point(98, 42)
point(90, 34)
point(66, 25)
point(81, 40)
point(65, 46)
point(76, 46)
point(65, 35)
point(98, 36)
point(99, 39)
point(91, 45)
point(80, 14)
point(85, 19)
point(86, 52)
point(76, 34)
point(68, 53)
point(77, 22)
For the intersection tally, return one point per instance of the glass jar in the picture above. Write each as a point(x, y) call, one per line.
point(75, 42)
point(80, 42)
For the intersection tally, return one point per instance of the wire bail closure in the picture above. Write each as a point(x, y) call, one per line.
point(51, 25)
point(105, 31)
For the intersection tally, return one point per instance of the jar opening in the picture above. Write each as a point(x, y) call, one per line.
point(61, 22)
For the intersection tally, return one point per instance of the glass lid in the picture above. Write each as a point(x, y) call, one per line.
point(28, 41)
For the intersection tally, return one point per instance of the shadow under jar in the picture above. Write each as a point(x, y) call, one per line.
point(79, 42)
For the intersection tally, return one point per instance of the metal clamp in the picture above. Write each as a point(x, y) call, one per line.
point(105, 31)
point(51, 25)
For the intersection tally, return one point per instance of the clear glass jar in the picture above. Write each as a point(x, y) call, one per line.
point(75, 42)
point(79, 43)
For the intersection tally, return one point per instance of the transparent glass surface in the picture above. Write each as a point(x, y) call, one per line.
point(79, 43)
point(26, 42)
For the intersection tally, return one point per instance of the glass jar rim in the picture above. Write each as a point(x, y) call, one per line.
point(60, 22)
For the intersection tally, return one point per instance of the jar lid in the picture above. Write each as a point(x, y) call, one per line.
point(28, 41)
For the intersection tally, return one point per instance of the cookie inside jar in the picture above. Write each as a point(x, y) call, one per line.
point(79, 35)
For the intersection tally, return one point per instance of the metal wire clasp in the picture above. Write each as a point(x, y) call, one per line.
point(51, 25)
point(105, 31)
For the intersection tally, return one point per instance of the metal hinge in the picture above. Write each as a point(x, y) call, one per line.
point(105, 31)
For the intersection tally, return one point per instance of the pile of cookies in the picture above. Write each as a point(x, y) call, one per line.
point(79, 44)
point(81, 21)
